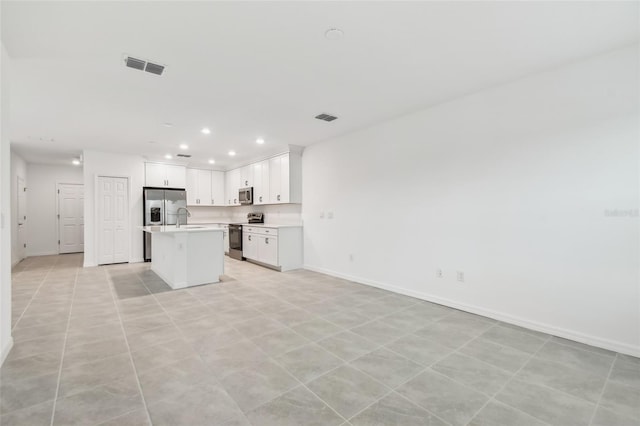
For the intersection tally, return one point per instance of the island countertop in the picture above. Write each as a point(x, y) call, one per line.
point(183, 228)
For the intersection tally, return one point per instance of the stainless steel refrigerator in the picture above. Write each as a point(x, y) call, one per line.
point(161, 208)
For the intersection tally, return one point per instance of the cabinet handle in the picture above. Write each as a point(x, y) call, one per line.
point(249, 237)
point(278, 197)
point(266, 230)
point(266, 241)
point(212, 201)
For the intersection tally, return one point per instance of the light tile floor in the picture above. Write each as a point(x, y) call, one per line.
point(114, 345)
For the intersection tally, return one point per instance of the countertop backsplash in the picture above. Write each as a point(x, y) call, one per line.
point(281, 214)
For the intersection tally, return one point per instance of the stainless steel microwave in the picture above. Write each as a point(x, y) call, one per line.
point(245, 195)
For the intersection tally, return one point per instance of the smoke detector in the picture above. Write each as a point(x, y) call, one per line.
point(334, 34)
point(143, 65)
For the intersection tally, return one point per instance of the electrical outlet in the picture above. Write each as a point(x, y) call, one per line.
point(439, 273)
point(460, 275)
point(321, 215)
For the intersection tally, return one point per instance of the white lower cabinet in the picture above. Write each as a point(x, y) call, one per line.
point(268, 250)
point(250, 246)
point(280, 248)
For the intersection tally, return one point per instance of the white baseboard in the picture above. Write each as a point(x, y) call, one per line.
point(500, 316)
point(6, 350)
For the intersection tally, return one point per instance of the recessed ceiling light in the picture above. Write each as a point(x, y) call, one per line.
point(76, 162)
point(205, 130)
point(168, 156)
point(167, 124)
point(232, 153)
point(184, 146)
point(333, 34)
point(259, 141)
point(212, 161)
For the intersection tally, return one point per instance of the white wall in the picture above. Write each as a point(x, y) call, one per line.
point(42, 205)
point(106, 164)
point(18, 170)
point(5, 212)
point(510, 185)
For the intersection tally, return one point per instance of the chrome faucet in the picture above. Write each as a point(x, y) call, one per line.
point(178, 214)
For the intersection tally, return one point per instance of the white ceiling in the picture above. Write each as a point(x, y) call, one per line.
point(265, 69)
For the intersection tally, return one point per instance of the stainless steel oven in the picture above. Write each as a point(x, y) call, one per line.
point(245, 195)
point(235, 241)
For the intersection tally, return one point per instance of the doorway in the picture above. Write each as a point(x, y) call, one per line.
point(70, 218)
point(113, 220)
point(22, 219)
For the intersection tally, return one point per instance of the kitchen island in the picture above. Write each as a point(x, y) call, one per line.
point(187, 256)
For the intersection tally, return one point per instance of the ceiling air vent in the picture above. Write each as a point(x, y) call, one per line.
point(142, 65)
point(184, 155)
point(326, 117)
point(154, 68)
point(134, 63)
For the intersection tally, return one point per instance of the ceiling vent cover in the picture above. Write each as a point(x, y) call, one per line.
point(184, 155)
point(154, 68)
point(142, 65)
point(326, 117)
point(134, 63)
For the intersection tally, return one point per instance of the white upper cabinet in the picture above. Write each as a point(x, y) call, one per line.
point(192, 187)
point(277, 180)
point(285, 179)
point(246, 176)
point(261, 182)
point(199, 187)
point(217, 188)
point(176, 176)
point(232, 178)
point(165, 175)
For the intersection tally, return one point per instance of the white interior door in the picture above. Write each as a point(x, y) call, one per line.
point(113, 220)
point(71, 218)
point(22, 218)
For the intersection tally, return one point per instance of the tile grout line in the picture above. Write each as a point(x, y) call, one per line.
point(425, 369)
point(238, 296)
point(272, 359)
point(126, 341)
point(173, 322)
point(64, 348)
point(492, 397)
point(345, 362)
point(604, 387)
point(44, 279)
point(302, 384)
